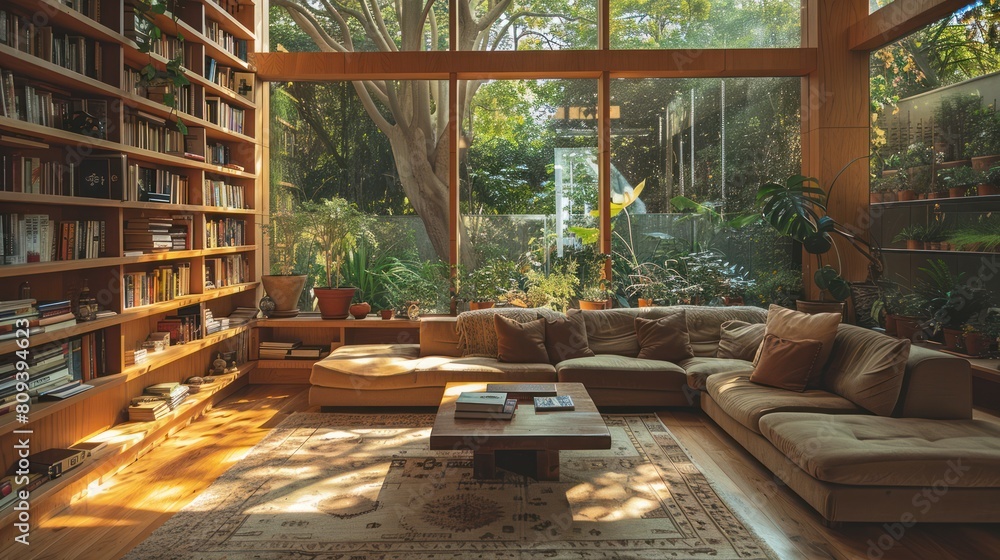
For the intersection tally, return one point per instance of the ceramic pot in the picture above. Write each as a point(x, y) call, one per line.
point(976, 344)
point(285, 291)
point(957, 192)
point(914, 245)
point(645, 302)
point(386, 314)
point(813, 307)
point(908, 327)
point(890, 324)
point(476, 305)
point(360, 310)
point(592, 305)
point(952, 338)
point(889, 197)
point(874, 198)
point(334, 303)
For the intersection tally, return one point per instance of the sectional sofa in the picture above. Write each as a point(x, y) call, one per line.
point(888, 436)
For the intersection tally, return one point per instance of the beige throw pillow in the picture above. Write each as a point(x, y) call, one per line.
point(794, 325)
point(740, 340)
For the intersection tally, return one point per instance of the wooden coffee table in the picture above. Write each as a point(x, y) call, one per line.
point(528, 444)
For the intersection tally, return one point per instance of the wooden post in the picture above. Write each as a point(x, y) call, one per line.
point(454, 212)
point(835, 126)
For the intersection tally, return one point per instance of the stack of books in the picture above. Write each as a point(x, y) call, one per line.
point(147, 409)
point(133, 357)
point(490, 406)
point(157, 342)
point(158, 234)
point(55, 315)
point(11, 312)
point(277, 350)
point(212, 325)
point(172, 393)
point(242, 316)
point(50, 368)
point(308, 352)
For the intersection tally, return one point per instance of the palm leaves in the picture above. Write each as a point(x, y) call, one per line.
point(798, 209)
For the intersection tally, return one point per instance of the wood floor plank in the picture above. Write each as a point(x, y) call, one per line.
point(117, 515)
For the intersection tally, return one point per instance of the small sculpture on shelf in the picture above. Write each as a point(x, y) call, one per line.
point(86, 304)
point(266, 306)
point(218, 365)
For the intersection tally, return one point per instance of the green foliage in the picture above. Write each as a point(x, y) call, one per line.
point(779, 286)
point(554, 289)
point(982, 235)
point(285, 232)
point(335, 225)
point(914, 232)
point(957, 177)
point(948, 300)
point(172, 75)
point(985, 137)
point(488, 281)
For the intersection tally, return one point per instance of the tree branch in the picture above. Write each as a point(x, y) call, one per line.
point(493, 15)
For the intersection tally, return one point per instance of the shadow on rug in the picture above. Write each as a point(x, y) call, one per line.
point(337, 486)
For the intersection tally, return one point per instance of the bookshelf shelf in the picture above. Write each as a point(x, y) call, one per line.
point(227, 21)
point(11, 270)
point(174, 353)
point(57, 200)
point(60, 15)
point(40, 410)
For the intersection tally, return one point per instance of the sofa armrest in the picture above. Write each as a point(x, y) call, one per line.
point(936, 385)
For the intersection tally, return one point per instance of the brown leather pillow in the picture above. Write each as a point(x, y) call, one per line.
point(566, 338)
point(665, 339)
point(739, 340)
point(787, 364)
point(521, 343)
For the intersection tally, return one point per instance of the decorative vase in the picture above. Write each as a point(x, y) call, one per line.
point(360, 310)
point(266, 306)
point(285, 291)
point(813, 307)
point(645, 302)
point(386, 314)
point(477, 305)
point(592, 305)
point(952, 338)
point(976, 344)
point(334, 303)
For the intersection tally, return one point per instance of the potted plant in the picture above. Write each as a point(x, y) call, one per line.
point(900, 185)
point(977, 342)
point(959, 180)
point(990, 183)
point(654, 284)
point(555, 289)
point(483, 286)
point(912, 235)
point(284, 231)
point(797, 209)
point(335, 225)
point(983, 235)
point(984, 142)
point(887, 306)
point(949, 302)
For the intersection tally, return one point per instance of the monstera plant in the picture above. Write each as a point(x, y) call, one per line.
point(797, 209)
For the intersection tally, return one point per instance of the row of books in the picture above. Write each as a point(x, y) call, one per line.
point(164, 283)
point(46, 105)
point(27, 238)
point(36, 176)
point(225, 232)
point(222, 194)
point(158, 234)
point(240, 83)
point(223, 114)
point(72, 52)
point(150, 132)
point(232, 44)
point(152, 184)
point(53, 315)
point(226, 271)
point(139, 29)
point(290, 350)
point(221, 154)
point(56, 370)
point(184, 326)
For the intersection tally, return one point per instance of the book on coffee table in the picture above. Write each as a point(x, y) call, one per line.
point(523, 391)
point(481, 402)
point(561, 402)
point(506, 414)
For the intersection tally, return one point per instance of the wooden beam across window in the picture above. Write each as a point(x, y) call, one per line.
point(897, 20)
point(468, 65)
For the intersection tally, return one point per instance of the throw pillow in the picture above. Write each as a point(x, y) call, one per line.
point(786, 364)
point(566, 338)
point(795, 325)
point(665, 339)
point(868, 368)
point(740, 340)
point(522, 343)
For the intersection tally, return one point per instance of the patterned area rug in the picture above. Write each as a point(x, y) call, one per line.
point(338, 486)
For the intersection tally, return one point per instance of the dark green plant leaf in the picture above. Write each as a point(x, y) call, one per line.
point(182, 128)
point(817, 243)
point(793, 209)
point(828, 279)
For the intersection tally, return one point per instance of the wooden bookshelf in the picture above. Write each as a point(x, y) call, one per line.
point(101, 412)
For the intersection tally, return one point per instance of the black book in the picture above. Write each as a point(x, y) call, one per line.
point(102, 177)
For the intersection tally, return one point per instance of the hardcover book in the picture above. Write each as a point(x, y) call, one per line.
point(504, 414)
point(481, 402)
point(561, 402)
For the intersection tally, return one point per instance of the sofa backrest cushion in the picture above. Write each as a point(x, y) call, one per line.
point(936, 385)
point(867, 368)
point(439, 337)
point(477, 335)
point(795, 325)
point(566, 338)
point(664, 339)
point(740, 340)
point(612, 331)
point(520, 343)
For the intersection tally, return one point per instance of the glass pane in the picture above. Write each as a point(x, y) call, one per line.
point(688, 156)
point(528, 181)
point(328, 140)
point(370, 26)
point(706, 25)
point(530, 25)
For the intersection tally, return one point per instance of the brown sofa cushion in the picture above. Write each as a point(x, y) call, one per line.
point(867, 368)
point(608, 371)
point(566, 337)
point(477, 333)
point(698, 369)
point(748, 402)
point(665, 339)
point(794, 325)
point(439, 337)
point(879, 451)
point(520, 343)
point(704, 324)
point(786, 364)
point(740, 340)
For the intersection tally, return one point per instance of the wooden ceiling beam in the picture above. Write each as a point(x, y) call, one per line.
point(317, 67)
point(897, 20)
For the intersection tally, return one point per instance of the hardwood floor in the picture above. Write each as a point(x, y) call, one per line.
point(119, 514)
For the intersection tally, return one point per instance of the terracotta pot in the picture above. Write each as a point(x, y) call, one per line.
point(952, 338)
point(914, 245)
point(922, 196)
point(334, 303)
point(592, 305)
point(957, 192)
point(360, 310)
point(875, 197)
point(386, 313)
point(984, 163)
point(977, 344)
point(475, 305)
point(285, 291)
point(890, 324)
point(987, 190)
point(732, 301)
point(889, 197)
point(645, 302)
point(937, 194)
point(905, 195)
point(813, 307)
point(908, 327)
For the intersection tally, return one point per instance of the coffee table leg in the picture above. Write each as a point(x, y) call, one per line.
point(540, 465)
point(484, 465)
point(547, 465)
